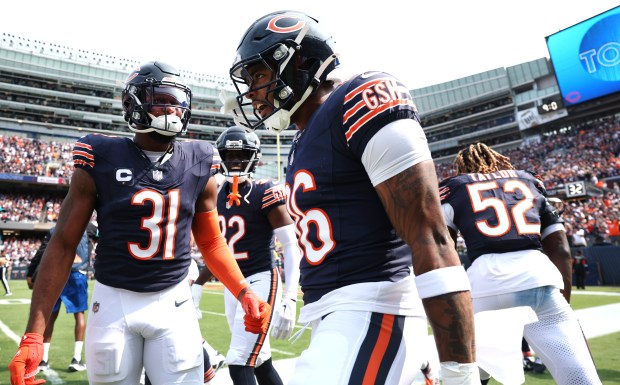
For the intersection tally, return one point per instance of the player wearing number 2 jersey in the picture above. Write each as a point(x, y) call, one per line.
point(251, 212)
point(507, 222)
point(149, 193)
point(362, 189)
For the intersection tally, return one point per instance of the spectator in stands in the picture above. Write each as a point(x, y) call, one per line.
point(506, 220)
point(21, 249)
point(5, 262)
point(74, 295)
point(580, 268)
point(579, 238)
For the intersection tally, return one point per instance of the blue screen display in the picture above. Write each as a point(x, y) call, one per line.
point(586, 58)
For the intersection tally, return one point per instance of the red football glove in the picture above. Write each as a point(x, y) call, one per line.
point(25, 365)
point(257, 313)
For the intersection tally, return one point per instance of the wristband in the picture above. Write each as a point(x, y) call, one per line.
point(453, 373)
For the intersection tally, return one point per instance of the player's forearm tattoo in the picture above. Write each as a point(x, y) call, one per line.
point(411, 201)
point(451, 327)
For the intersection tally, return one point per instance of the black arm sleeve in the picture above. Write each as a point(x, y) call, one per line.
point(34, 262)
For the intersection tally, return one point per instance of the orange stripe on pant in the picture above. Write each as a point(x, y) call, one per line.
point(271, 300)
point(379, 351)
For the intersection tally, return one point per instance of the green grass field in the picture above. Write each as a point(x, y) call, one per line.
point(14, 313)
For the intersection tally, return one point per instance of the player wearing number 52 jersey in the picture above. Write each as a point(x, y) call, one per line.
point(149, 193)
point(251, 212)
point(507, 223)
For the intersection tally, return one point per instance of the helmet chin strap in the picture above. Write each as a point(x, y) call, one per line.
point(240, 178)
point(281, 119)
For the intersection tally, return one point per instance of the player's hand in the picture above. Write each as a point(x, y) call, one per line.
point(257, 313)
point(284, 319)
point(196, 296)
point(25, 364)
point(430, 377)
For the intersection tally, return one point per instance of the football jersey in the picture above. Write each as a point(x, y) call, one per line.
point(344, 232)
point(498, 212)
point(246, 227)
point(144, 209)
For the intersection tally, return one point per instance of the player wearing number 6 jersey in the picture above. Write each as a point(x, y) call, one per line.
point(507, 223)
point(251, 212)
point(149, 193)
point(362, 189)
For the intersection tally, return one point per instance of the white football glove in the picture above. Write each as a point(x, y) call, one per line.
point(284, 319)
point(196, 296)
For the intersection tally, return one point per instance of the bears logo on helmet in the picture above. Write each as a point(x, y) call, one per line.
point(299, 56)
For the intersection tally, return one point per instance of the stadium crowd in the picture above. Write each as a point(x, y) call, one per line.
point(19, 155)
point(20, 249)
point(589, 152)
point(29, 208)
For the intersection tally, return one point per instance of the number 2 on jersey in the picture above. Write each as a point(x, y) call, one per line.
point(235, 221)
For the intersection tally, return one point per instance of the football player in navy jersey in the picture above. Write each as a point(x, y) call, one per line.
point(150, 192)
point(251, 213)
point(362, 189)
point(520, 255)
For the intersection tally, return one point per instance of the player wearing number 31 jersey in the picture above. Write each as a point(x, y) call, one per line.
point(161, 202)
point(507, 223)
point(149, 193)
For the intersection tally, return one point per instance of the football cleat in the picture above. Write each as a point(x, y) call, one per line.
point(538, 367)
point(76, 366)
point(43, 366)
point(218, 361)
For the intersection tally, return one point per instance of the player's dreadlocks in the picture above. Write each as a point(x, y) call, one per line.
point(480, 158)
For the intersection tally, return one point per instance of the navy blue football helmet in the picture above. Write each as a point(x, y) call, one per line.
point(298, 54)
point(156, 85)
point(239, 150)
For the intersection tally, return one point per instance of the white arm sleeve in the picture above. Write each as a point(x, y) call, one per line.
point(393, 149)
point(193, 273)
point(552, 229)
point(292, 257)
point(448, 215)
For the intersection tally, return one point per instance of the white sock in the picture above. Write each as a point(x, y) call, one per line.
point(46, 351)
point(77, 350)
